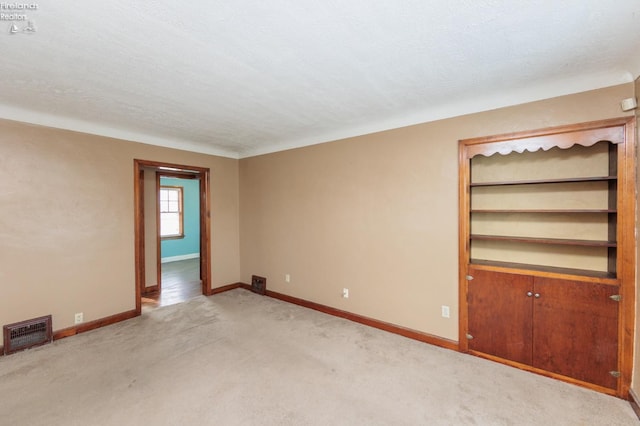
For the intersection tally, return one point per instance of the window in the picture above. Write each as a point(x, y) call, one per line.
point(171, 220)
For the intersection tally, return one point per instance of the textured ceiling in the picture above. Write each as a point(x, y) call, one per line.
point(245, 77)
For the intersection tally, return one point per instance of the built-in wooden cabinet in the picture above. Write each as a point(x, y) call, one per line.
point(568, 327)
point(547, 251)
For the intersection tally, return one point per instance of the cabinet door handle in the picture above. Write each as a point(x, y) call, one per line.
point(529, 294)
point(537, 295)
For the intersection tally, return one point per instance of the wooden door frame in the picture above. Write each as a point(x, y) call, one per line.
point(203, 174)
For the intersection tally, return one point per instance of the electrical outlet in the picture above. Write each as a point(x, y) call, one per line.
point(445, 311)
point(79, 317)
point(345, 293)
point(287, 278)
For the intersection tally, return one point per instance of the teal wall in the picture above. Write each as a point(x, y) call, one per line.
point(191, 210)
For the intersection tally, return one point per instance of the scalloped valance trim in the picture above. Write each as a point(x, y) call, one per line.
point(614, 135)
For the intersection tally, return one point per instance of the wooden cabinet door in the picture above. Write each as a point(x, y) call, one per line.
point(576, 330)
point(500, 314)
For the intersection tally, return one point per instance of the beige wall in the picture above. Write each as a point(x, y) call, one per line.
point(378, 213)
point(150, 228)
point(67, 222)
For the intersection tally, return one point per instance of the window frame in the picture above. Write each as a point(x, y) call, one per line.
point(180, 191)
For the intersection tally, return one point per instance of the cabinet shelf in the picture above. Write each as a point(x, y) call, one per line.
point(544, 211)
point(537, 240)
point(542, 268)
point(545, 181)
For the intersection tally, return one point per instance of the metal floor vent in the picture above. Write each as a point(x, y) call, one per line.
point(27, 334)
point(258, 284)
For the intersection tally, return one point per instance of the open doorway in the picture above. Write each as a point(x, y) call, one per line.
point(178, 239)
point(186, 269)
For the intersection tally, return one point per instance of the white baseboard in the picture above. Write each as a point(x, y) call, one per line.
point(181, 257)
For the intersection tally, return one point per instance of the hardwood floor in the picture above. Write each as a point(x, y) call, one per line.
point(180, 282)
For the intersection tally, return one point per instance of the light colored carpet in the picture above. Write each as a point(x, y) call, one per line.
point(238, 358)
